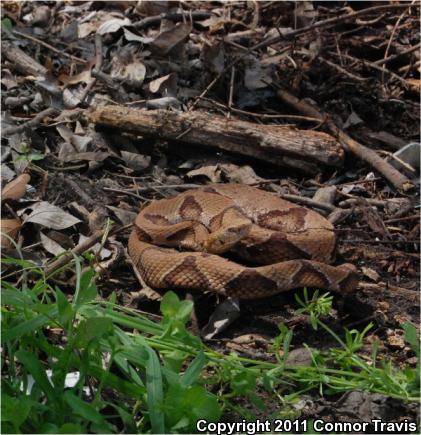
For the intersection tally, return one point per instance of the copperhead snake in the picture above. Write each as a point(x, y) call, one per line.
point(179, 243)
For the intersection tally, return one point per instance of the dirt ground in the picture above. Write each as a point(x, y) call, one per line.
point(93, 172)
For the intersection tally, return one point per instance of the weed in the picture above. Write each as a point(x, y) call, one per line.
point(93, 366)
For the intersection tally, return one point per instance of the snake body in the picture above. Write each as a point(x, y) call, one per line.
point(182, 242)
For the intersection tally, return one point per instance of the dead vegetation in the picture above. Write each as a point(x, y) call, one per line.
point(107, 105)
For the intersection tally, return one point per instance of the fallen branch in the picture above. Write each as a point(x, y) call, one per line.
point(306, 150)
point(21, 61)
point(176, 17)
point(368, 155)
point(81, 248)
point(393, 290)
point(32, 123)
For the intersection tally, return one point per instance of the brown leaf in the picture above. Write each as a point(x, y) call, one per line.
point(50, 216)
point(239, 174)
point(9, 227)
point(16, 189)
point(211, 172)
point(132, 74)
point(371, 273)
point(166, 41)
point(373, 218)
point(166, 85)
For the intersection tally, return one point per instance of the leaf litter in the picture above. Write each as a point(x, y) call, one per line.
point(157, 55)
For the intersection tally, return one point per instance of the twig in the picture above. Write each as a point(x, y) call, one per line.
point(231, 93)
point(407, 166)
point(327, 22)
point(369, 22)
point(135, 270)
point(343, 70)
point(307, 201)
point(397, 55)
point(383, 242)
point(405, 68)
point(34, 122)
point(393, 33)
point(368, 155)
point(50, 47)
point(95, 71)
point(273, 40)
point(401, 219)
point(157, 187)
point(263, 115)
point(372, 65)
point(156, 19)
point(125, 192)
point(82, 247)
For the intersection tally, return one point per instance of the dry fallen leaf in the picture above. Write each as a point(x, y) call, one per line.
point(130, 36)
point(135, 161)
point(51, 245)
point(15, 189)
point(132, 74)
point(166, 41)
point(80, 143)
point(211, 172)
point(256, 77)
point(239, 174)
point(371, 273)
point(166, 85)
point(124, 216)
point(214, 57)
point(113, 25)
point(9, 227)
point(50, 216)
point(6, 173)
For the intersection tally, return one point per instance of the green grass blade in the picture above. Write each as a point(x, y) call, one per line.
point(193, 372)
point(29, 326)
point(154, 389)
point(34, 367)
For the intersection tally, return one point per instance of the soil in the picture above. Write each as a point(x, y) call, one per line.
point(381, 238)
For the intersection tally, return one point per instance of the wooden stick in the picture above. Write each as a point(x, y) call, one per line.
point(308, 201)
point(306, 150)
point(368, 155)
point(50, 47)
point(24, 63)
point(393, 290)
point(32, 123)
point(81, 248)
point(175, 17)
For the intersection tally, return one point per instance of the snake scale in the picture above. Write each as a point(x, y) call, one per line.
point(183, 242)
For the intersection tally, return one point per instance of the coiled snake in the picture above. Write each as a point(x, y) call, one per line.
point(178, 243)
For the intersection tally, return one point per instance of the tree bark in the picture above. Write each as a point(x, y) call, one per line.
point(306, 150)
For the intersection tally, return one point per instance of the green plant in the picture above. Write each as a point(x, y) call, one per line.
point(6, 25)
point(136, 375)
point(27, 155)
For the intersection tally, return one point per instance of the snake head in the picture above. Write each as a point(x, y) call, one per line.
point(225, 239)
